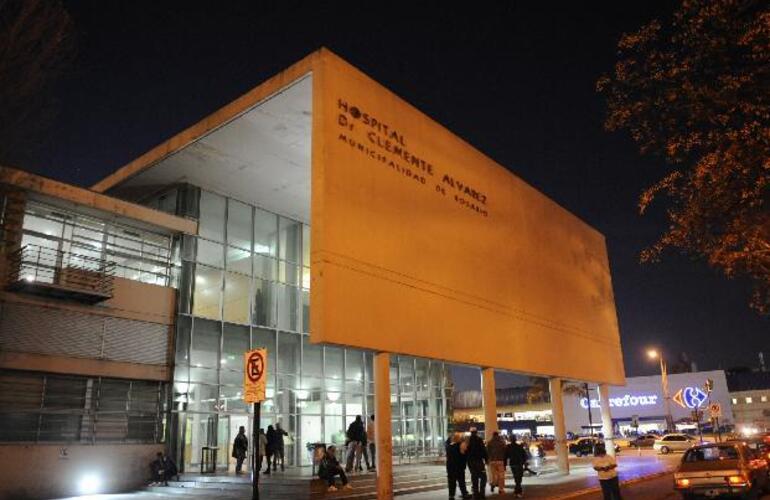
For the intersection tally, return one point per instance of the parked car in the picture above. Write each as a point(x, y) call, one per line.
point(643, 441)
point(673, 442)
point(716, 469)
point(585, 446)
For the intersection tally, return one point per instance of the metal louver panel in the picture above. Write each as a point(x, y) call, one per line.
point(25, 328)
point(135, 341)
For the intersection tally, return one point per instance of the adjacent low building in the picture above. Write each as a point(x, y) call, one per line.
point(750, 401)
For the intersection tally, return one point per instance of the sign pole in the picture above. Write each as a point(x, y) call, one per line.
point(257, 457)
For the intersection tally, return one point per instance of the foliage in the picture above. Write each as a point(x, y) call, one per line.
point(696, 92)
point(37, 44)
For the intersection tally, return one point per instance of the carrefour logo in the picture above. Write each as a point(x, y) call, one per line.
point(690, 397)
point(625, 401)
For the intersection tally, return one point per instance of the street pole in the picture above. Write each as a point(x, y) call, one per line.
point(256, 458)
point(590, 418)
point(666, 397)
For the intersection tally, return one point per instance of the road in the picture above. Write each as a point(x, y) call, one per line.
point(660, 488)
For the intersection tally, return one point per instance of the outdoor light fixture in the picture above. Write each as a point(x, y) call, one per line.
point(302, 394)
point(89, 484)
point(652, 354)
point(333, 396)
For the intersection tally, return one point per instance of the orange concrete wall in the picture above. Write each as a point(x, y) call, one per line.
point(38, 471)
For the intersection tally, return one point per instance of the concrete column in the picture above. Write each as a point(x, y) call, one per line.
point(382, 427)
point(607, 430)
point(559, 429)
point(489, 400)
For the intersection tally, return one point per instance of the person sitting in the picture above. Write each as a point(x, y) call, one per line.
point(163, 468)
point(330, 467)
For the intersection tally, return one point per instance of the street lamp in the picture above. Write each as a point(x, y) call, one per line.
point(655, 354)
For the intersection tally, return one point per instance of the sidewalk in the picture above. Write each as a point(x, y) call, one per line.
point(582, 479)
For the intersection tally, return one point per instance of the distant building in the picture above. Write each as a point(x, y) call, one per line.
point(750, 400)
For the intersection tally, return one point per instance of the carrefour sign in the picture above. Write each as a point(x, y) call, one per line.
point(624, 401)
point(690, 397)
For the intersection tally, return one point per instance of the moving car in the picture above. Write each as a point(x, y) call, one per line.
point(585, 446)
point(673, 442)
point(643, 441)
point(716, 469)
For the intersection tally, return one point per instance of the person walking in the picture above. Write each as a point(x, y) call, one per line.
point(278, 446)
point(240, 447)
point(477, 461)
point(496, 452)
point(456, 462)
point(270, 443)
point(262, 449)
point(370, 437)
point(516, 458)
point(606, 468)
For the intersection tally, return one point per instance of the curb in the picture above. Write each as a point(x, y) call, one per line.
point(595, 489)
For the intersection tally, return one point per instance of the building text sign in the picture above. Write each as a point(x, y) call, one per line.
point(421, 244)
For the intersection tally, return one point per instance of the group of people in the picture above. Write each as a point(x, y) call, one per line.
point(359, 440)
point(476, 455)
point(270, 446)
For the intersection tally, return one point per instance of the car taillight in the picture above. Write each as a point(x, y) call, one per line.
point(735, 479)
point(683, 483)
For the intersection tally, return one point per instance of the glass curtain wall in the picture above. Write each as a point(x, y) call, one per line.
point(245, 283)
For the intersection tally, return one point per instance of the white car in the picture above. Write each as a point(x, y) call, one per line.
point(673, 442)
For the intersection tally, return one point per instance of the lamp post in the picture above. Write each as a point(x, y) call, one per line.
point(655, 354)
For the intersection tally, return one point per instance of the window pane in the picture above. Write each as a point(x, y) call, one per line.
point(239, 261)
point(312, 358)
point(264, 303)
point(264, 267)
point(212, 216)
point(261, 337)
point(291, 234)
point(334, 362)
point(305, 245)
point(305, 311)
point(239, 224)
point(204, 350)
point(288, 353)
point(354, 365)
point(202, 397)
point(210, 253)
point(265, 232)
point(288, 273)
point(288, 297)
point(234, 344)
point(236, 298)
point(182, 345)
point(208, 286)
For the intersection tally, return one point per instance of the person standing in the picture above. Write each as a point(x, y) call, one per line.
point(370, 437)
point(456, 462)
point(496, 451)
point(269, 450)
point(278, 446)
point(477, 462)
point(355, 437)
point(262, 449)
point(240, 447)
point(516, 457)
point(606, 468)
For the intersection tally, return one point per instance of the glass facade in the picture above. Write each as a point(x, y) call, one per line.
point(245, 283)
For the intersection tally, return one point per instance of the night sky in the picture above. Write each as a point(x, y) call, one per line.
point(515, 79)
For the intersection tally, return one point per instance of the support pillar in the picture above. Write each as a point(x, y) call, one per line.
point(607, 427)
point(382, 426)
point(559, 429)
point(489, 401)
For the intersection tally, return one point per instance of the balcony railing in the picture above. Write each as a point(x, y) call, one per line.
point(55, 273)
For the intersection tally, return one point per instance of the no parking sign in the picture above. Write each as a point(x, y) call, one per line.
point(254, 375)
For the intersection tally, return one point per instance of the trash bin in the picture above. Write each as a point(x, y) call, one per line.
point(208, 460)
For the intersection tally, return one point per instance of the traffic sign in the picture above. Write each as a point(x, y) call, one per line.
point(254, 375)
point(715, 410)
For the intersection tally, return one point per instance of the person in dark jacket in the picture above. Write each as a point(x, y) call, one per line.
point(456, 462)
point(477, 462)
point(240, 447)
point(162, 468)
point(270, 435)
point(278, 445)
point(516, 457)
point(330, 467)
point(356, 437)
